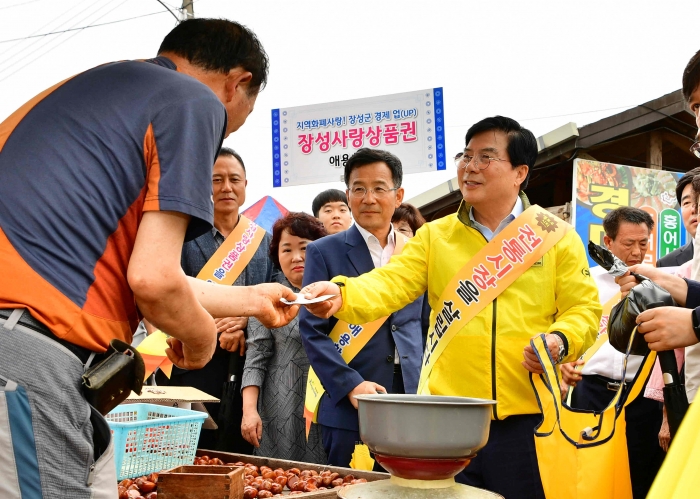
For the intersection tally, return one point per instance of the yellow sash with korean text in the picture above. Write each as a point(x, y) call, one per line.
point(224, 267)
point(348, 339)
point(234, 254)
point(487, 274)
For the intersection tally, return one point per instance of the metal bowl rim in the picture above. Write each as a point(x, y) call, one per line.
point(435, 400)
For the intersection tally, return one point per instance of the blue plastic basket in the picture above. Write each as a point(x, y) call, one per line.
point(150, 438)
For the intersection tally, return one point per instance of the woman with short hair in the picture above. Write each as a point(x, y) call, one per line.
point(276, 366)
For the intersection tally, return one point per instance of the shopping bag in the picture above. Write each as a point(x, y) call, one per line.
point(582, 454)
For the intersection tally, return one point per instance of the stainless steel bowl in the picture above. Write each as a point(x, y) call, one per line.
point(424, 426)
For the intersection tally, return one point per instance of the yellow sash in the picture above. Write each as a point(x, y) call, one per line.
point(348, 339)
point(224, 267)
point(234, 254)
point(495, 267)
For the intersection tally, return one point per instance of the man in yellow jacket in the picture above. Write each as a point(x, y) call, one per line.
point(490, 356)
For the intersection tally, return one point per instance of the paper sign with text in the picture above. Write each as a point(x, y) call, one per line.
point(311, 144)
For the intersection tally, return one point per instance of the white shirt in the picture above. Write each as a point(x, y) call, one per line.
point(380, 256)
point(486, 232)
point(607, 361)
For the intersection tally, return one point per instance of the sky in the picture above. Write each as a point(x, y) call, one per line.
point(542, 63)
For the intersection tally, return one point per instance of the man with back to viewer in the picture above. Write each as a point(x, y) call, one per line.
point(80, 268)
point(483, 357)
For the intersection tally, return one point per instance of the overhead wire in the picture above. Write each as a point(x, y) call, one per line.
point(19, 4)
point(52, 21)
point(85, 27)
point(59, 43)
point(168, 9)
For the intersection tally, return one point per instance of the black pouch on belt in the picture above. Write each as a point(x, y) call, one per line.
point(108, 384)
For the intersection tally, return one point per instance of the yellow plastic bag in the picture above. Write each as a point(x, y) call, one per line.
point(582, 454)
point(679, 477)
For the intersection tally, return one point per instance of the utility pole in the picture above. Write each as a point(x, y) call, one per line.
point(187, 10)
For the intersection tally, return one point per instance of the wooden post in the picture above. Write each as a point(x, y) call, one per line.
point(654, 156)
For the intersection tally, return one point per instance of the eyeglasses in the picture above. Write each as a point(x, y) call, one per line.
point(695, 149)
point(482, 161)
point(377, 192)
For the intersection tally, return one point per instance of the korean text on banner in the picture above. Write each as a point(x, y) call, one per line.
point(601, 187)
point(311, 144)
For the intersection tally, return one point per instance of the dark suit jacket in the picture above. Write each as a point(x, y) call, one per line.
point(346, 253)
point(677, 257)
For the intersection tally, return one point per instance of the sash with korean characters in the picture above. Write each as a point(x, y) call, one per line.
point(234, 254)
point(224, 267)
point(348, 339)
point(495, 267)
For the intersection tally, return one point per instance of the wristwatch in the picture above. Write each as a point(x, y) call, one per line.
point(696, 323)
point(562, 349)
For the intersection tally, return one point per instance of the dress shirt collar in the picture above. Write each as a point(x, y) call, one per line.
point(372, 239)
point(487, 233)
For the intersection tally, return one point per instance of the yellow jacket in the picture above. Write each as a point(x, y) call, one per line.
point(484, 359)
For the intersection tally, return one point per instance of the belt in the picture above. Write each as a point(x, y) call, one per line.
point(609, 383)
point(30, 322)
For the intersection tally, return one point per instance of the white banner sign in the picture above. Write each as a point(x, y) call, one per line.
point(310, 144)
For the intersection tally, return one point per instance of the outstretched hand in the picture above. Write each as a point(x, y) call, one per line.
point(270, 311)
point(324, 309)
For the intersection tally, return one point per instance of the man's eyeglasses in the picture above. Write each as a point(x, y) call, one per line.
point(695, 149)
point(482, 161)
point(377, 192)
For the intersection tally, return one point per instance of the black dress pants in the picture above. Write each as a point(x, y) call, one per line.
point(507, 464)
point(643, 417)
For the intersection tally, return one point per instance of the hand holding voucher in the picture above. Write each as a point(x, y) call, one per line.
point(326, 308)
point(270, 310)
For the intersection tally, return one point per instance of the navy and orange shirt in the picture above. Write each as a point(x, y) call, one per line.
point(79, 165)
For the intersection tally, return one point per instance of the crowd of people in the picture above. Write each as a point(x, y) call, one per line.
point(441, 308)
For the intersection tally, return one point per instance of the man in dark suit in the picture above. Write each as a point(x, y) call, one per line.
point(689, 211)
point(390, 361)
point(229, 183)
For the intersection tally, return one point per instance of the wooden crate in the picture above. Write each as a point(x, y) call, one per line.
point(258, 461)
point(201, 482)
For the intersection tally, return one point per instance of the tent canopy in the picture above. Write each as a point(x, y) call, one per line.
point(266, 212)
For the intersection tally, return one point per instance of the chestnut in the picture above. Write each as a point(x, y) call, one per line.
point(147, 487)
point(276, 488)
point(348, 478)
point(282, 480)
point(250, 493)
point(337, 482)
point(265, 494)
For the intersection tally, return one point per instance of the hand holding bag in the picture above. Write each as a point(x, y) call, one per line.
point(623, 317)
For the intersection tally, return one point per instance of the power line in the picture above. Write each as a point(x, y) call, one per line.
point(18, 4)
point(168, 9)
point(8, 55)
point(83, 27)
point(561, 115)
point(86, 14)
point(61, 42)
